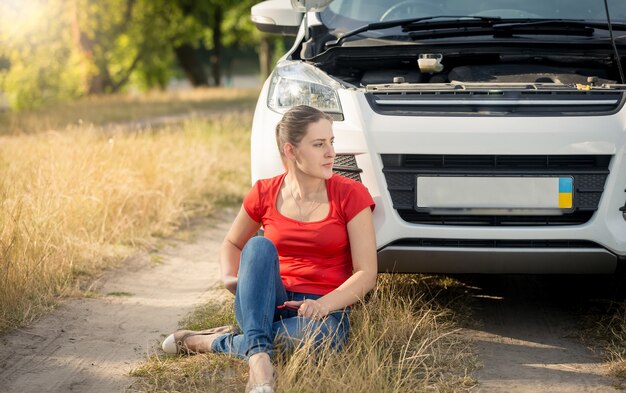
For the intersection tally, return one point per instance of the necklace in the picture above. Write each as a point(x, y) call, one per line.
point(312, 206)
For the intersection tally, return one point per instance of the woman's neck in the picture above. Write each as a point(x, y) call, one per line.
point(304, 187)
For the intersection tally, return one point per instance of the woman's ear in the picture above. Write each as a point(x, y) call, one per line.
point(290, 151)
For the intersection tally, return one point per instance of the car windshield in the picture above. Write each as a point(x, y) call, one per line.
point(346, 15)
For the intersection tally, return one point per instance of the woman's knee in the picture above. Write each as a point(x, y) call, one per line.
point(260, 245)
point(259, 249)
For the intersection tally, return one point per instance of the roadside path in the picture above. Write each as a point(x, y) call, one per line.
point(168, 120)
point(91, 344)
point(529, 338)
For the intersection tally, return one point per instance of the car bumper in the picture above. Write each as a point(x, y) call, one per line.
point(401, 244)
point(487, 135)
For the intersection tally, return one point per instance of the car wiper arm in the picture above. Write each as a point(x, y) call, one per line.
point(555, 26)
point(553, 23)
point(407, 24)
point(508, 27)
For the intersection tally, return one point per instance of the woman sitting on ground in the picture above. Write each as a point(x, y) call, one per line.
point(317, 258)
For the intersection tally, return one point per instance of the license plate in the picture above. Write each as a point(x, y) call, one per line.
point(515, 192)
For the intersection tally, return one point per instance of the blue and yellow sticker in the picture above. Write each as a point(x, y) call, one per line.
point(565, 192)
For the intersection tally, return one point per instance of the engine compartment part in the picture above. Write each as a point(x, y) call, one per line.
point(525, 73)
point(376, 77)
point(471, 70)
point(430, 63)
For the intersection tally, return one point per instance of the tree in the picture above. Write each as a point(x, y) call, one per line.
point(115, 38)
point(41, 66)
point(111, 43)
point(240, 32)
point(208, 16)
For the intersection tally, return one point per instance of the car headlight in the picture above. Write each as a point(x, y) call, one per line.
point(295, 83)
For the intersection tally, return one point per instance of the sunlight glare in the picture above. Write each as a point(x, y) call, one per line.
point(19, 17)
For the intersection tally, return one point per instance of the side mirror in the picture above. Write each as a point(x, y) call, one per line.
point(307, 6)
point(310, 5)
point(276, 17)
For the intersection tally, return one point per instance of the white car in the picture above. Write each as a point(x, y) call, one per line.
point(491, 134)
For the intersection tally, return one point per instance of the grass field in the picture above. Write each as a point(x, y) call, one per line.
point(78, 196)
point(125, 108)
point(80, 199)
point(80, 192)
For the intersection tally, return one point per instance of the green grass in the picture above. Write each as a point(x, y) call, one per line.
point(120, 294)
point(156, 259)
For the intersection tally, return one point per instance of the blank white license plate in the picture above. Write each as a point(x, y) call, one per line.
point(494, 192)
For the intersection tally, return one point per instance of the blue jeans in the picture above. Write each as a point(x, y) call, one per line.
point(259, 290)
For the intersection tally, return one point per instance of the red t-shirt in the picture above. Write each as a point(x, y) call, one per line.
point(314, 256)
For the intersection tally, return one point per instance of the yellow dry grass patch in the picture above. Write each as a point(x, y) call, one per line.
point(605, 330)
point(403, 339)
point(72, 202)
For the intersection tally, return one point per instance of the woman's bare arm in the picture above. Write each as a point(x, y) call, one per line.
point(242, 229)
point(365, 270)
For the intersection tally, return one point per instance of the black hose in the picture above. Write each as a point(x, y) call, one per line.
point(617, 58)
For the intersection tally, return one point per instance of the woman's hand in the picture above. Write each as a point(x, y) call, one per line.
point(309, 308)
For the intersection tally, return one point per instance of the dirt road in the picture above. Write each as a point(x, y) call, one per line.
point(90, 345)
point(528, 339)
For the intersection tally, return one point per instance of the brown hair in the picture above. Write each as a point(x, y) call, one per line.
point(294, 125)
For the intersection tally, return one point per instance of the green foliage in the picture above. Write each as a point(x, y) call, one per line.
point(239, 31)
point(41, 65)
point(128, 38)
point(55, 50)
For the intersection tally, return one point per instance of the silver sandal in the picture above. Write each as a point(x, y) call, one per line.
point(175, 343)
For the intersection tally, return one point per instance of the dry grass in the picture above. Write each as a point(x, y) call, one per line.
point(605, 330)
point(403, 339)
point(74, 201)
point(77, 200)
point(603, 323)
point(127, 107)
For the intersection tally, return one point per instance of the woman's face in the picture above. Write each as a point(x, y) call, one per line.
point(315, 154)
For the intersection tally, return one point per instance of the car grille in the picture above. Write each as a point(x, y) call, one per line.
point(345, 165)
point(398, 101)
point(589, 173)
